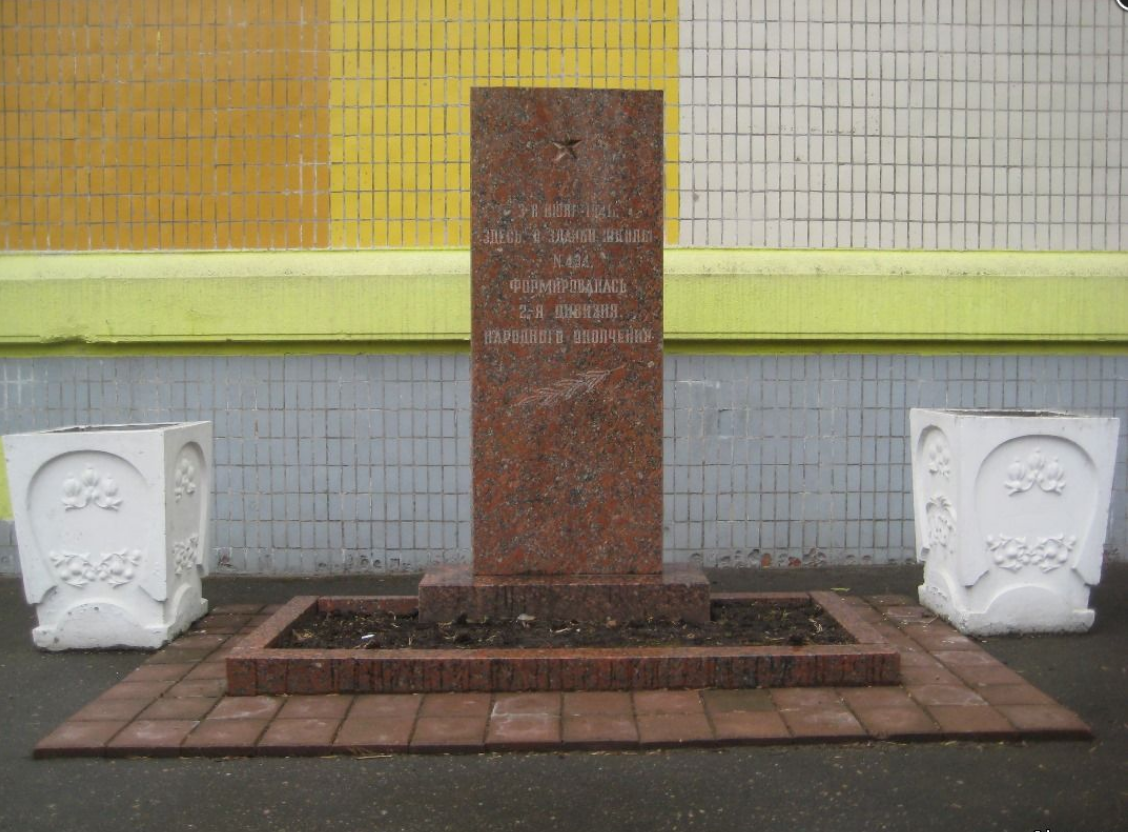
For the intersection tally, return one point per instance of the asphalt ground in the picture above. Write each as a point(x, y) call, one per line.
point(1060, 786)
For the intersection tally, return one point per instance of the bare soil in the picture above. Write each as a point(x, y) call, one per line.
point(735, 623)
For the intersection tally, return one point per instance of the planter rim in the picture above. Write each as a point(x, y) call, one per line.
point(134, 427)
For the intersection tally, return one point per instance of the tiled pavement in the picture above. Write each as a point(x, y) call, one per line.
point(175, 705)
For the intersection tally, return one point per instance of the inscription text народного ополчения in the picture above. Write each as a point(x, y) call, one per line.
point(542, 300)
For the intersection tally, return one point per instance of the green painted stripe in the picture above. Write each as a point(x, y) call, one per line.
point(5, 497)
point(729, 300)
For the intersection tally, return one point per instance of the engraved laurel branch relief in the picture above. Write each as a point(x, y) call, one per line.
point(566, 389)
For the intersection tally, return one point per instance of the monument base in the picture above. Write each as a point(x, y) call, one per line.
point(681, 591)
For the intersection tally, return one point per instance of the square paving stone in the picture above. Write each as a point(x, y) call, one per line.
point(945, 695)
point(246, 707)
point(537, 704)
point(287, 737)
point(870, 698)
point(224, 737)
point(524, 732)
point(664, 729)
point(389, 705)
point(823, 723)
point(112, 710)
point(138, 690)
point(187, 708)
point(600, 731)
point(207, 670)
point(996, 674)
point(980, 722)
point(151, 738)
point(750, 727)
point(456, 705)
point(1023, 694)
point(603, 702)
point(898, 723)
point(77, 739)
point(375, 734)
point(1046, 721)
point(686, 702)
point(727, 701)
point(159, 672)
point(449, 733)
point(214, 688)
point(328, 706)
point(789, 698)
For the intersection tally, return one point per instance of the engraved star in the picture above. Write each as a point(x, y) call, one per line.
point(565, 147)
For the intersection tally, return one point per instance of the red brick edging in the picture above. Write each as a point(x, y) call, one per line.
point(175, 705)
point(254, 667)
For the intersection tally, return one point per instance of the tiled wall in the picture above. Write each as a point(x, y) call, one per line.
point(977, 124)
point(361, 463)
point(989, 124)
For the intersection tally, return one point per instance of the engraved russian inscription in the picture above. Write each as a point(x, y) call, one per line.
point(567, 331)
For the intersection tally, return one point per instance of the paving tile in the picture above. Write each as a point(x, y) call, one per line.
point(980, 722)
point(151, 738)
point(185, 708)
point(876, 697)
point(377, 706)
point(214, 688)
point(326, 706)
point(207, 670)
point(224, 737)
point(456, 705)
point(222, 624)
point(449, 733)
point(908, 613)
point(966, 658)
point(138, 690)
point(750, 727)
point(194, 640)
point(668, 702)
point(928, 676)
point(175, 655)
point(604, 703)
point(1046, 721)
point(787, 698)
point(600, 731)
point(237, 609)
point(77, 739)
point(945, 695)
point(662, 729)
point(889, 600)
point(112, 710)
point(375, 734)
point(898, 723)
point(823, 723)
point(538, 704)
point(246, 707)
point(729, 701)
point(998, 674)
point(286, 737)
point(1024, 694)
point(160, 672)
point(523, 732)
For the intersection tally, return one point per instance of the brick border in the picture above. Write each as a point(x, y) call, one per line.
point(256, 668)
point(175, 705)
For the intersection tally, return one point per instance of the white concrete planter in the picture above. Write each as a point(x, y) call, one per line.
point(112, 528)
point(1011, 515)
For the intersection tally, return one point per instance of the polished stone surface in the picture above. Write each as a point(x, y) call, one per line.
point(567, 331)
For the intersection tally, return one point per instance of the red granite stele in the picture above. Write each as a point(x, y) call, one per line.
point(566, 372)
point(256, 667)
